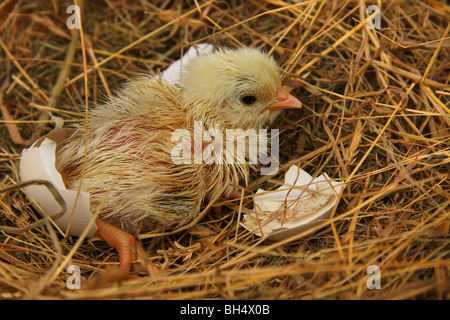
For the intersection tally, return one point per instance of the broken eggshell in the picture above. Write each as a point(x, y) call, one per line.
point(297, 206)
point(38, 162)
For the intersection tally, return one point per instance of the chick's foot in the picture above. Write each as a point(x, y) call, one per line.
point(125, 244)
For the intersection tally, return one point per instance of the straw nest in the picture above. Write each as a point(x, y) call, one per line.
point(376, 116)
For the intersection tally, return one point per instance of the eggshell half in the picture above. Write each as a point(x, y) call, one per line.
point(299, 205)
point(38, 162)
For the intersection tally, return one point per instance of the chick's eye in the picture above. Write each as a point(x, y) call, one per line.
point(248, 100)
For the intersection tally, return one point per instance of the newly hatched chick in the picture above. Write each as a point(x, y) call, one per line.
point(123, 153)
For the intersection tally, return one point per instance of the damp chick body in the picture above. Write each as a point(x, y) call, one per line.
point(124, 151)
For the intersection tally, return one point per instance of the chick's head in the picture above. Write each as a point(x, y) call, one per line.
point(235, 88)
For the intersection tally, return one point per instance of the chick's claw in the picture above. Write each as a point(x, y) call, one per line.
point(125, 244)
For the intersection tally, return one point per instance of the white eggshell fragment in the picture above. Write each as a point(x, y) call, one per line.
point(38, 162)
point(298, 205)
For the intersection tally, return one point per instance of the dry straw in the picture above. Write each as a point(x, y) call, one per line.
point(376, 115)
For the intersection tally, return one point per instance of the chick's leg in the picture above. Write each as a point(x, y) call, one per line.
point(125, 244)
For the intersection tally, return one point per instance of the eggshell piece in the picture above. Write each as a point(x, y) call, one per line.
point(299, 205)
point(38, 162)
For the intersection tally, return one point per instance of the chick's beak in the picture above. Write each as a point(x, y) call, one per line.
point(284, 100)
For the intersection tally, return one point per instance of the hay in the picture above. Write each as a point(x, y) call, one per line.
point(376, 115)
